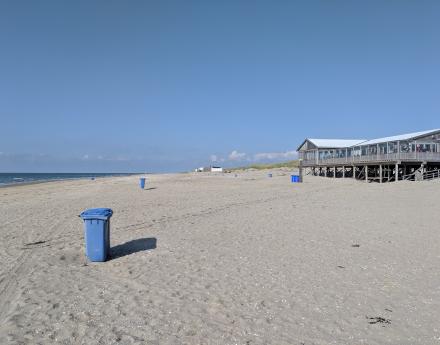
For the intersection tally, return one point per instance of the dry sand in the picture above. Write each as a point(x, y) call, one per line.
point(218, 259)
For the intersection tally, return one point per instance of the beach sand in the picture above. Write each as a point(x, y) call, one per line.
point(219, 259)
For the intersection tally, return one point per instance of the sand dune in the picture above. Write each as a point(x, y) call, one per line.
point(218, 259)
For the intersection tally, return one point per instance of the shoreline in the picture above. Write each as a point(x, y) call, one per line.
point(30, 183)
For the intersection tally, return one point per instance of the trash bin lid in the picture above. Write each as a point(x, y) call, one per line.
point(97, 213)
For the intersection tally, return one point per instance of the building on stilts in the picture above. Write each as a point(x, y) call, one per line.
point(412, 156)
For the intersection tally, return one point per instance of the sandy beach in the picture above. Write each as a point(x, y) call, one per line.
point(219, 259)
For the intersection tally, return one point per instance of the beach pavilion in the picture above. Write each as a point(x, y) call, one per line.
point(412, 156)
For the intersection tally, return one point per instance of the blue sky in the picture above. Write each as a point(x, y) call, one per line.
point(89, 86)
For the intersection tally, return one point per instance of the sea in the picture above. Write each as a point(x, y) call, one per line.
point(25, 178)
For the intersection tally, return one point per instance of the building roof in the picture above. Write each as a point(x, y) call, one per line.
point(407, 136)
point(344, 143)
point(335, 143)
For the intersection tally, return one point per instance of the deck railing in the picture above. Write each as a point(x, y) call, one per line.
point(431, 175)
point(426, 176)
point(389, 157)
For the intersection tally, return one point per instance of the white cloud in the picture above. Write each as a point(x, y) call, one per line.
point(120, 158)
point(111, 158)
point(275, 155)
point(237, 156)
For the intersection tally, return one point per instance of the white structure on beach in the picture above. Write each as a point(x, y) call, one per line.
point(209, 169)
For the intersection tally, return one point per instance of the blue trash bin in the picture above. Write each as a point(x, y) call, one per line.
point(97, 233)
point(269, 175)
point(295, 178)
point(142, 182)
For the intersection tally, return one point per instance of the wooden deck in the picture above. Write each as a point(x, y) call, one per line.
point(401, 157)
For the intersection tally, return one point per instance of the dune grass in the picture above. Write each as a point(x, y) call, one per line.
point(288, 164)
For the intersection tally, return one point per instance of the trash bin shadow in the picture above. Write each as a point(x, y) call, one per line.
point(151, 188)
point(131, 247)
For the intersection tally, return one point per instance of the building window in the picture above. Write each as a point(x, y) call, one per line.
point(383, 149)
point(392, 147)
point(364, 150)
point(405, 146)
